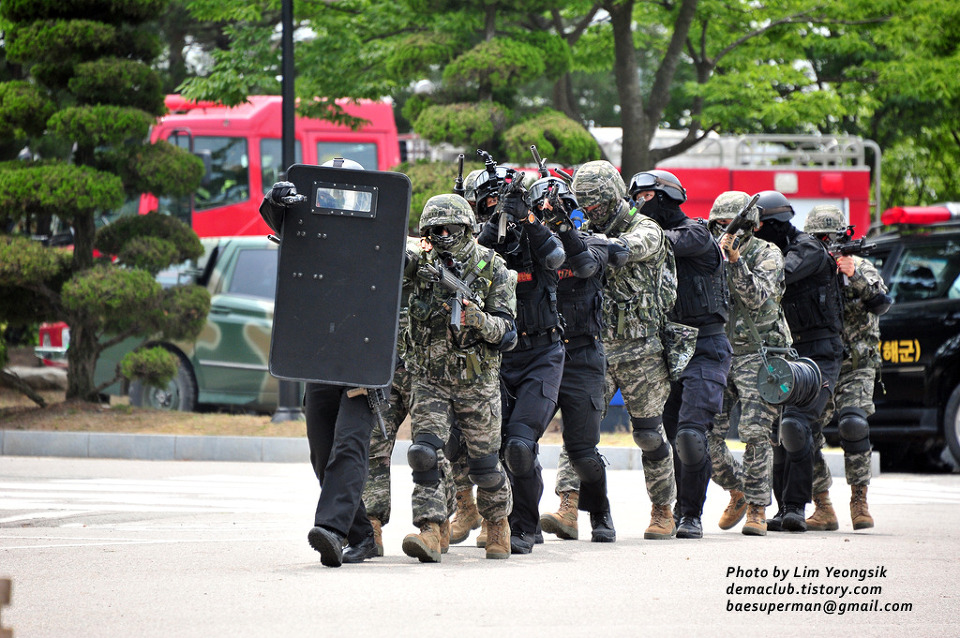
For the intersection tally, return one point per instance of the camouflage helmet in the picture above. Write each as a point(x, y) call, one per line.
point(470, 186)
point(824, 219)
point(441, 210)
point(729, 204)
point(599, 184)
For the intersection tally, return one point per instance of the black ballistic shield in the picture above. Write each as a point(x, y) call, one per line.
point(339, 275)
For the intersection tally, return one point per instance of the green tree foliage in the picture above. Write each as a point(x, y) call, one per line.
point(90, 90)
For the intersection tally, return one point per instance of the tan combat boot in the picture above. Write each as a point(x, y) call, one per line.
point(736, 508)
point(445, 536)
point(563, 522)
point(424, 546)
point(662, 526)
point(498, 538)
point(482, 536)
point(377, 534)
point(859, 513)
point(756, 524)
point(823, 519)
point(466, 518)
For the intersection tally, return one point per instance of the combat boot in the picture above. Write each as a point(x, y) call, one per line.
point(823, 519)
point(563, 522)
point(497, 542)
point(736, 508)
point(424, 546)
point(859, 513)
point(445, 536)
point(466, 518)
point(602, 524)
point(661, 526)
point(377, 534)
point(756, 524)
point(482, 536)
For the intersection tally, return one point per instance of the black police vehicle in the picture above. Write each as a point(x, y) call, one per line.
point(918, 394)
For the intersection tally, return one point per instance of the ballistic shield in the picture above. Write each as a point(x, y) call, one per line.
point(339, 275)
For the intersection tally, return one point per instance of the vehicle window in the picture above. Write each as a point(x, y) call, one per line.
point(271, 161)
point(255, 274)
point(365, 153)
point(927, 272)
point(227, 163)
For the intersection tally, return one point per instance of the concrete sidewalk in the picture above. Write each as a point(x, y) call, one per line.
point(164, 447)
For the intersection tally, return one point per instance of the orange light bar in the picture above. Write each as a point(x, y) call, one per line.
point(920, 215)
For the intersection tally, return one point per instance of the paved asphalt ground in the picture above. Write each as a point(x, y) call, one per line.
point(99, 547)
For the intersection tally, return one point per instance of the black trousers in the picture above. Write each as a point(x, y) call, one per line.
point(338, 431)
point(529, 385)
point(581, 405)
point(693, 403)
point(793, 471)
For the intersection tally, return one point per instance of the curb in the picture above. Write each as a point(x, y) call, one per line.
point(246, 449)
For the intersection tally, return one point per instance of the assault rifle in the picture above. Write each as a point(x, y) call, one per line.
point(557, 213)
point(513, 187)
point(458, 188)
point(741, 222)
point(378, 402)
point(844, 243)
point(457, 286)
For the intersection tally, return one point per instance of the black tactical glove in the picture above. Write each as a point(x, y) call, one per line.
point(515, 206)
point(617, 253)
point(284, 194)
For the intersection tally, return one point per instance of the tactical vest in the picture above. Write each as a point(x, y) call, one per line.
point(639, 294)
point(439, 351)
point(813, 306)
point(767, 319)
point(702, 297)
point(580, 301)
point(537, 311)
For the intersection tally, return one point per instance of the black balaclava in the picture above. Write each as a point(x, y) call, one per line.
point(663, 210)
point(776, 232)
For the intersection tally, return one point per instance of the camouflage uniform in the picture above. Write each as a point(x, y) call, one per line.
point(858, 372)
point(457, 371)
point(756, 287)
point(636, 297)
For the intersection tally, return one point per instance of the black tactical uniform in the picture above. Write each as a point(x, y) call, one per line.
point(813, 306)
point(338, 433)
point(702, 301)
point(530, 373)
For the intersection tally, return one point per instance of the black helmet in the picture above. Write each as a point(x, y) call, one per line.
point(773, 205)
point(540, 188)
point(657, 180)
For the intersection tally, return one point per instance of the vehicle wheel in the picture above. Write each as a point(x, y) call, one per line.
point(951, 423)
point(180, 394)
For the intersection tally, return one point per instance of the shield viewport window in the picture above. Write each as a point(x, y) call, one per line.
point(344, 199)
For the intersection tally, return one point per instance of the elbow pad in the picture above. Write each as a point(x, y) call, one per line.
point(878, 304)
point(508, 338)
point(584, 265)
point(617, 253)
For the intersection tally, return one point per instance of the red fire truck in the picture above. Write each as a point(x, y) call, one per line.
point(808, 169)
point(241, 150)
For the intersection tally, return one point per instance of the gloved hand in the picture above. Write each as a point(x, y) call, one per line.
point(473, 316)
point(281, 191)
point(617, 253)
point(515, 205)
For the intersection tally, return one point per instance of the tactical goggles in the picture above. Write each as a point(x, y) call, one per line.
point(542, 187)
point(452, 229)
point(649, 182)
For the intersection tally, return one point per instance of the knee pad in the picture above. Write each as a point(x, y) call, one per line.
point(485, 473)
point(422, 458)
point(794, 436)
point(691, 447)
point(451, 449)
point(648, 439)
point(590, 469)
point(854, 430)
point(519, 449)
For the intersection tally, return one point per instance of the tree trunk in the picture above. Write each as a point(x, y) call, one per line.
point(82, 362)
point(563, 99)
point(636, 141)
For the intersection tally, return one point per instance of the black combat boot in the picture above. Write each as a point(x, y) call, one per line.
point(328, 543)
point(367, 548)
point(690, 527)
point(793, 518)
point(603, 531)
point(521, 543)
